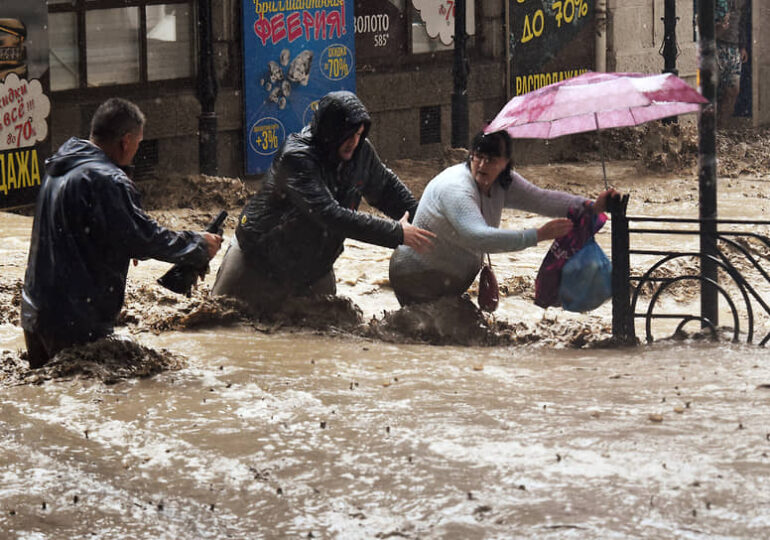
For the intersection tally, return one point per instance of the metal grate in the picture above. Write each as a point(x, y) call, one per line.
point(146, 160)
point(430, 124)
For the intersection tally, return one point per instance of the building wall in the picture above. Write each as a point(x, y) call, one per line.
point(635, 37)
point(395, 99)
point(172, 121)
point(172, 113)
point(394, 93)
point(761, 62)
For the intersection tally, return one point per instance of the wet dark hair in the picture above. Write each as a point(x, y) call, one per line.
point(495, 144)
point(114, 118)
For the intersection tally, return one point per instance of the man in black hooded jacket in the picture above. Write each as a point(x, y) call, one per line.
point(88, 225)
point(291, 232)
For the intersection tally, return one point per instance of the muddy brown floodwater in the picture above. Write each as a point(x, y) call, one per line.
point(351, 422)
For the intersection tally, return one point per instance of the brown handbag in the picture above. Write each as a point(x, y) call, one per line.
point(489, 295)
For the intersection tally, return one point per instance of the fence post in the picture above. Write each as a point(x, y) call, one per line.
point(707, 161)
point(206, 93)
point(460, 79)
point(670, 49)
point(623, 332)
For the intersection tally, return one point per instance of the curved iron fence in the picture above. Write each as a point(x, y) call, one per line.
point(728, 251)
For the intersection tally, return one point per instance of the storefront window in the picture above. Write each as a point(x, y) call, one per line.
point(421, 41)
point(434, 18)
point(63, 51)
point(112, 46)
point(111, 42)
point(169, 42)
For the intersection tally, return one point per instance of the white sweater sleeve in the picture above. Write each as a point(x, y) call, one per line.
point(461, 208)
point(524, 195)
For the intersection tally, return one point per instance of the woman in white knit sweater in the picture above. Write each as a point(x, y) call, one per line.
point(463, 206)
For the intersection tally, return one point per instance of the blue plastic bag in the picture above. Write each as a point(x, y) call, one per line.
point(586, 279)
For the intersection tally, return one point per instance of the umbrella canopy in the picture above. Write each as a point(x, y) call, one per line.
point(594, 101)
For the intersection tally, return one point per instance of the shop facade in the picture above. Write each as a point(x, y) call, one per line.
point(146, 51)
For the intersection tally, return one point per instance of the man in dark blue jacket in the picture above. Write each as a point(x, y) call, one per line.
point(291, 232)
point(88, 225)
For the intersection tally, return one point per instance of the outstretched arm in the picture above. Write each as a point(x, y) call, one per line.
point(299, 178)
point(124, 222)
point(523, 195)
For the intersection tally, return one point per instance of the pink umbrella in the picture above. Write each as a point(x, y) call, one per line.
point(595, 101)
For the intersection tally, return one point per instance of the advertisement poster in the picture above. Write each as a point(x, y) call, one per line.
point(380, 30)
point(550, 40)
point(295, 51)
point(24, 104)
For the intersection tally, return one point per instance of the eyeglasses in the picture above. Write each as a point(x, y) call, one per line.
point(486, 158)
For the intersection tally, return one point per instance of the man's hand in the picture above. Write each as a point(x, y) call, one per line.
point(416, 238)
point(213, 243)
point(555, 228)
point(601, 201)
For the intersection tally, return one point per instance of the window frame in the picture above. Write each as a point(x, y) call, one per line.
point(412, 14)
point(81, 7)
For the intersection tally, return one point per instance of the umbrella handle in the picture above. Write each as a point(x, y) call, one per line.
point(604, 170)
point(601, 150)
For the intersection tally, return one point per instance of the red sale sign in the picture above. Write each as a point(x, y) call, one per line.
point(25, 107)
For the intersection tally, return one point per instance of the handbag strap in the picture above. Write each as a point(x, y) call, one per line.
point(481, 206)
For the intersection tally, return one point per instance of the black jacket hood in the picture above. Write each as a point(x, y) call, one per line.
point(338, 117)
point(72, 153)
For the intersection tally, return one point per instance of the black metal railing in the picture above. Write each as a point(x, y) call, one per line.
point(729, 252)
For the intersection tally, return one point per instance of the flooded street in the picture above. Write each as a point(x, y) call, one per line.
point(273, 432)
point(292, 434)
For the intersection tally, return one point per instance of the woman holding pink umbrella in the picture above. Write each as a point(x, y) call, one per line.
point(463, 206)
